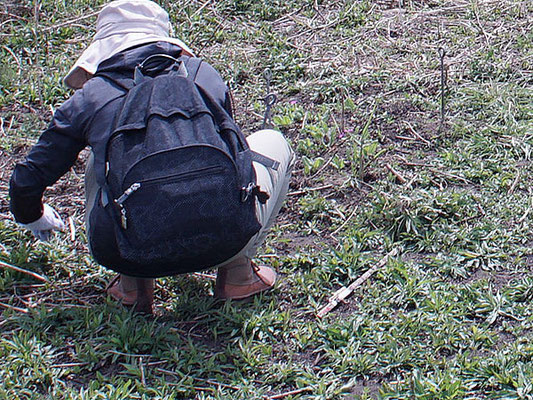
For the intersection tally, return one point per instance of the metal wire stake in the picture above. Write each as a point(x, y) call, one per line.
point(267, 74)
point(270, 100)
point(442, 55)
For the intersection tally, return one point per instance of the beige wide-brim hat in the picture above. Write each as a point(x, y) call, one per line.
point(122, 24)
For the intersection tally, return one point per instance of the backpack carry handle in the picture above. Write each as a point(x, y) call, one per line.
point(178, 66)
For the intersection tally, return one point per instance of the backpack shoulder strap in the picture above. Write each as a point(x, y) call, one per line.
point(123, 84)
point(193, 66)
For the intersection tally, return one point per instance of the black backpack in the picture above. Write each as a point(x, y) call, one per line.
point(180, 189)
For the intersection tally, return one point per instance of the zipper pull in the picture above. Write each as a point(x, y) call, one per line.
point(128, 193)
point(122, 199)
point(246, 192)
point(123, 218)
point(254, 190)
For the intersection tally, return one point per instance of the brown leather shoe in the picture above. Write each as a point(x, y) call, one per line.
point(138, 293)
point(239, 282)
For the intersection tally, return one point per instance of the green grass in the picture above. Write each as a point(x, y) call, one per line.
point(450, 317)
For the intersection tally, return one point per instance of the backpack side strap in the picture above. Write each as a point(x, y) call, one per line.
point(266, 161)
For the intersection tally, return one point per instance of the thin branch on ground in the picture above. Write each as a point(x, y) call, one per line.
point(10, 307)
point(344, 292)
point(398, 176)
point(291, 393)
point(305, 191)
point(24, 271)
point(72, 21)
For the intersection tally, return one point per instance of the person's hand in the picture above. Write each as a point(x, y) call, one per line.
point(43, 227)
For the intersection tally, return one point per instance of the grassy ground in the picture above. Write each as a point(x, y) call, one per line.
point(449, 317)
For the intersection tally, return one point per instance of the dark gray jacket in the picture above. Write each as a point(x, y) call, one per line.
point(87, 119)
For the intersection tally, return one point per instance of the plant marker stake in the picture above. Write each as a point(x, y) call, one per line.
point(343, 113)
point(270, 99)
point(267, 74)
point(344, 291)
point(442, 55)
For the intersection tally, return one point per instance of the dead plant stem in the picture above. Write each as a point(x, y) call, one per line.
point(307, 190)
point(344, 291)
point(291, 393)
point(10, 307)
point(24, 271)
point(72, 21)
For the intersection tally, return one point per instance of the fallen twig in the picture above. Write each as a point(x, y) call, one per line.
point(323, 167)
point(291, 393)
point(442, 54)
point(523, 217)
point(24, 271)
point(205, 276)
point(404, 137)
point(72, 21)
point(201, 8)
point(213, 35)
point(16, 60)
point(311, 29)
point(345, 221)
point(72, 228)
point(129, 354)
point(197, 388)
point(421, 138)
point(10, 15)
point(268, 256)
point(141, 367)
point(41, 294)
point(63, 306)
point(400, 178)
point(70, 365)
point(211, 382)
point(515, 182)
point(415, 164)
point(447, 175)
point(10, 307)
point(304, 191)
point(344, 291)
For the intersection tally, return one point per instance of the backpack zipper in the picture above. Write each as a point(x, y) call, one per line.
point(172, 178)
point(120, 202)
point(182, 175)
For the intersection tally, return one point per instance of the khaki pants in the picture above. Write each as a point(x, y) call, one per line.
point(275, 182)
point(268, 142)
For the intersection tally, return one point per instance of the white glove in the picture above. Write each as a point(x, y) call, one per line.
point(42, 228)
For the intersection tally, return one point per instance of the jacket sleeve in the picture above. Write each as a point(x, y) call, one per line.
point(52, 156)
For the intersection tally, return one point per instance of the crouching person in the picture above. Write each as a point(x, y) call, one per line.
point(172, 185)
